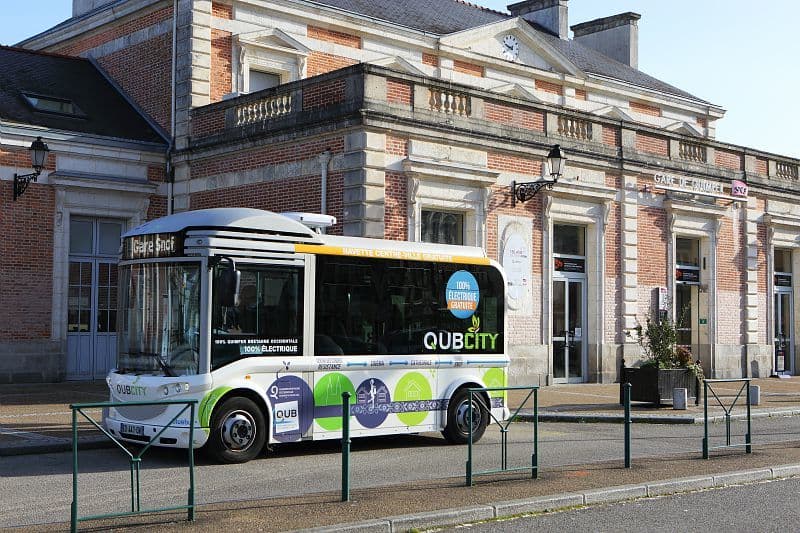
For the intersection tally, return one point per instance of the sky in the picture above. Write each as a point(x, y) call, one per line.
point(742, 55)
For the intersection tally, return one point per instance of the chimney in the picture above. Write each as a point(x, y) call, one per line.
point(616, 36)
point(549, 14)
point(79, 7)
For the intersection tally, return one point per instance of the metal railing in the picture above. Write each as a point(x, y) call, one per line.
point(135, 460)
point(475, 395)
point(708, 385)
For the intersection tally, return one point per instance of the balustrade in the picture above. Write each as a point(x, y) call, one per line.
point(692, 152)
point(786, 171)
point(450, 102)
point(575, 128)
point(264, 109)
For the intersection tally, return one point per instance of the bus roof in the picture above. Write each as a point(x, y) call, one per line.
point(258, 224)
point(227, 218)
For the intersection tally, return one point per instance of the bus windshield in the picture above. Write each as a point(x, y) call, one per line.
point(159, 326)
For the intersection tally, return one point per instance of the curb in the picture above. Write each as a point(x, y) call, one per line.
point(649, 419)
point(56, 446)
point(464, 515)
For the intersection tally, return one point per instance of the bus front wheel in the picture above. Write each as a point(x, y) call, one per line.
point(238, 431)
point(457, 429)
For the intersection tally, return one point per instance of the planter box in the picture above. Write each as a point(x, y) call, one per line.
point(654, 385)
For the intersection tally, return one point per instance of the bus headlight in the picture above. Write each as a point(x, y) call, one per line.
point(178, 388)
point(166, 390)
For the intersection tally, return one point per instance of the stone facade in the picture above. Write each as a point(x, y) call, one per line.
point(397, 121)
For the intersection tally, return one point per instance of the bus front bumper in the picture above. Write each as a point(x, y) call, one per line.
point(172, 437)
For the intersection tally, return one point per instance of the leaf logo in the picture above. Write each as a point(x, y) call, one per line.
point(476, 325)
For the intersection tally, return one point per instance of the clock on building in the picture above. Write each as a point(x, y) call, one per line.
point(510, 47)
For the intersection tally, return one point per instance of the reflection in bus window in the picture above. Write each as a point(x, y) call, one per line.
point(266, 320)
point(369, 306)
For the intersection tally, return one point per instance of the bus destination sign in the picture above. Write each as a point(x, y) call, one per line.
point(152, 245)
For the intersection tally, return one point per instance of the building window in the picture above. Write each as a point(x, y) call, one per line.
point(687, 252)
point(783, 261)
point(442, 227)
point(260, 80)
point(50, 104)
point(569, 240)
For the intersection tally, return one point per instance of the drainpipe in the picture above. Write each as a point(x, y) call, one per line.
point(324, 161)
point(170, 170)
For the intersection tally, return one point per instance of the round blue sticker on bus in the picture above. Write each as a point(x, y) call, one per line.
point(462, 294)
point(372, 403)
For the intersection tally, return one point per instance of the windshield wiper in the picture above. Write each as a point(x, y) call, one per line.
point(163, 364)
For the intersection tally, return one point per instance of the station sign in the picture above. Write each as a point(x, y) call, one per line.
point(783, 280)
point(152, 246)
point(738, 190)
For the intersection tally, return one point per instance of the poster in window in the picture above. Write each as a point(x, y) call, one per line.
point(564, 264)
point(687, 275)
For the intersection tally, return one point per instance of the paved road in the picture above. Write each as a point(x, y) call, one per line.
point(37, 489)
point(763, 507)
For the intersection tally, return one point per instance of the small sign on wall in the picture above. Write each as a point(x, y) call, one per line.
point(663, 299)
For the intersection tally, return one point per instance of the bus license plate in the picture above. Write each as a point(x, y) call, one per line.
point(131, 429)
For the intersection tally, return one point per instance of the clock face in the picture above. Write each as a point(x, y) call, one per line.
point(510, 47)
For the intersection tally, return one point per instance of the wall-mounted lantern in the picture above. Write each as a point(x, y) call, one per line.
point(525, 191)
point(39, 151)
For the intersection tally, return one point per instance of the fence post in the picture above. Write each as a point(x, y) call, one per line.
point(345, 446)
point(191, 463)
point(705, 419)
point(535, 458)
point(73, 521)
point(748, 437)
point(469, 438)
point(627, 394)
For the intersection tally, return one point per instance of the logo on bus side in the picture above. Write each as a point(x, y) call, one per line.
point(462, 294)
point(131, 390)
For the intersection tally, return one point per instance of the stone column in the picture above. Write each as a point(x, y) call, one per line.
point(363, 166)
point(630, 265)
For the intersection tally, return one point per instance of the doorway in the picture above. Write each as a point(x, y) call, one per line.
point(92, 297)
point(569, 304)
point(783, 312)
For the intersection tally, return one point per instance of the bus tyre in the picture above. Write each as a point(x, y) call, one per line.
point(457, 429)
point(238, 431)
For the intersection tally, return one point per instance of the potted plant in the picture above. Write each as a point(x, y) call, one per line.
point(666, 365)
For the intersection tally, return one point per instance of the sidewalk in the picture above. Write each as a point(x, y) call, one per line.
point(36, 418)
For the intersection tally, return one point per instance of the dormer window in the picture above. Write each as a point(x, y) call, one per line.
point(50, 104)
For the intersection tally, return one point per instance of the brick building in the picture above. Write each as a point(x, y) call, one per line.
point(60, 237)
point(411, 120)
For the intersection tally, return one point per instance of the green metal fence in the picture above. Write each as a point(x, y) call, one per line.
point(135, 460)
point(708, 386)
point(476, 398)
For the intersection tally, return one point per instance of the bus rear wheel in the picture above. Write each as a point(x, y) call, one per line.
point(238, 431)
point(457, 429)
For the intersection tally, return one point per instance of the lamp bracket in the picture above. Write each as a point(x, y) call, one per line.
point(21, 182)
point(522, 192)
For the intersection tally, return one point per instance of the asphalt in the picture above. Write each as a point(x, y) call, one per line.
point(37, 419)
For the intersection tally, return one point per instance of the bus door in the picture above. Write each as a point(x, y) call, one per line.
point(263, 332)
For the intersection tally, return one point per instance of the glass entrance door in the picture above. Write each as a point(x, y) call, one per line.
point(784, 340)
point(568, 328)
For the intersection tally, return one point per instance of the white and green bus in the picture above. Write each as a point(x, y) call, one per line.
point(266, 322)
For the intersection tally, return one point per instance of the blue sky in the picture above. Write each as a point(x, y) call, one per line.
point(740, 54)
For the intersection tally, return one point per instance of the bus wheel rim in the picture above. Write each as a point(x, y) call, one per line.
point(239, 430)
point(462, 417)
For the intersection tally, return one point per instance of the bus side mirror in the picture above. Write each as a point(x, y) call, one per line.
point(227, 283)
